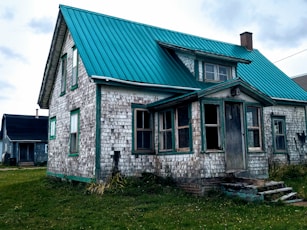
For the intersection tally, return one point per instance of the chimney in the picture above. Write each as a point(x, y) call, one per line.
point(247, 40)
point(36, 115)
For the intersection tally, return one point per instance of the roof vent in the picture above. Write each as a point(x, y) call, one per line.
point(247, 40)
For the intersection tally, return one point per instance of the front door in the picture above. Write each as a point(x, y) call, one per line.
point(234, 151)
point(26, 151)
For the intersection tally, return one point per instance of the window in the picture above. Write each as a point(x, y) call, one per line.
point(279, 135)
point(212, 127)
point(52, 131)
point(74, 131)
point(143, 130)
point(74, 80)
point(166, 131)
point(174, 129)
point(183, 129)
point(213, 72)
point(253, 127)
point(63, 73)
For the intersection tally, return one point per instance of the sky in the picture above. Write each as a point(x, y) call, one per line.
point(279, 30)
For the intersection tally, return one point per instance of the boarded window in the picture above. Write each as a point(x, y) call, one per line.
point(143, 130)
point(279, 135)
point(212, 126)
point(74, 131)
point(254, 127)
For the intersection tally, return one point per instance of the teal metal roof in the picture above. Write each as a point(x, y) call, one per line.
point(130, 51)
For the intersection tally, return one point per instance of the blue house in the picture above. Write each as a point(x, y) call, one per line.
point(129, 97)
point(24, 139)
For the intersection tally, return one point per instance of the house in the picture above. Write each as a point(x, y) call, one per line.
point(301, 80)
point(129, 97)
point(25, 139)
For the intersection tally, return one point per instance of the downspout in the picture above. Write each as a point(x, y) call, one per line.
point(98, 132)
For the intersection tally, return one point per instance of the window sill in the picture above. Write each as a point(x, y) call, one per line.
point(74, 87)
point(73, 154)
point(174, 153)
point(62, 94)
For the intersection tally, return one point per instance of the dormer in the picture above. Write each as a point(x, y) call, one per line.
point(205, 65)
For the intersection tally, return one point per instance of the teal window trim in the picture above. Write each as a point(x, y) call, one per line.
point(63, 74)
point(254, 128)
point(279, 133)
point(136, 112)
point(220, 120)
point(75, 66)
point(52, 128)
point(74, 132)
point(175, 133)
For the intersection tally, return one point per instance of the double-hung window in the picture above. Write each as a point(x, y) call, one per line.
point(279, 133)
point(143, 125)
point(174, 129)
point(63, 73)
point(52, 128)
point(74, 131)
point(253, 118)
point(212, 127)
point(74, 78)
point(214, 72)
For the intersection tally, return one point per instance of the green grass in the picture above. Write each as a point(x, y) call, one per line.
point(30, 200)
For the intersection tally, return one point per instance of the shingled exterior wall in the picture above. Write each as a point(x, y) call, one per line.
point(59, 159)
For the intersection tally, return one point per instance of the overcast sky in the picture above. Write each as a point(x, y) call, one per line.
point(279, 30)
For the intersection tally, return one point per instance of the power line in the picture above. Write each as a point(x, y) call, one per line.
point(291, 55)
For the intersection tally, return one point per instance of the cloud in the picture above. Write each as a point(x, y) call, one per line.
point(11, 54)
point(41, 25)
point(5, 86)
point(7, 14)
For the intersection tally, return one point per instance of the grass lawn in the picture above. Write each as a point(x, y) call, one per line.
point(30, 200)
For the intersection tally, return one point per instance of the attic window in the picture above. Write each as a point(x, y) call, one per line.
point(74, 77)
point(214, 72)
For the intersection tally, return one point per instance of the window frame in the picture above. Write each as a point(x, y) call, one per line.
point(218, 125)
point(74, 151)
point(137, 129)
point(253, 128)
point(284, 134)
point(173, 129)
point(52, 128)
point(63, 74)
point(216, 72)
point(75, 66)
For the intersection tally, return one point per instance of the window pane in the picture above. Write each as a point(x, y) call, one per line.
point(209, 71)
point(139, 119)
point(144, 139)
point(184, 138)
point(280, 143)
point(74, 123)
point(212, 138)
point(147, 120)
point(73, 142)
point(75, 57)
point(252, 116)
point(167, 120)
point(278, 126)
point(253, 138)
point(167, 140)
point(183, 115)
point(211, 114)
point(223, 73)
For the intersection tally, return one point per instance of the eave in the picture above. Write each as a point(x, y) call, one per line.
point(52, 62)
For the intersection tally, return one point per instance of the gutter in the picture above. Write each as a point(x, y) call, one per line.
point(141, 84)
point(289, 100)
